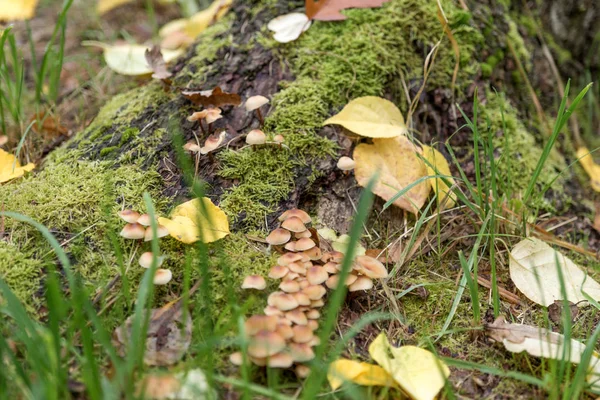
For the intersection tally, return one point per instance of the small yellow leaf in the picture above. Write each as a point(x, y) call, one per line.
point(437, 160)
point(193, 221)
point(17, 10)
point(9, 169)
point(591, 168)
point(105, 6)
point(372, 117)
point(360, 373)
point(198, 22)
point(398, 166)
point(418, 372)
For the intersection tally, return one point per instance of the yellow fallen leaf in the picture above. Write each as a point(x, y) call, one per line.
point(198, 22)
point(360, 373)
point(398, 166)
point(20, 9)
point(418, 372)
point(437, 160)
point(591, 168)
point(9, 169)
point(105, 6)
point(372, 117)
point(192, 221)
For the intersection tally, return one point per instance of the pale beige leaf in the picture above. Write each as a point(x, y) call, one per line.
point(439, 163)
point(17, 9)
point(371, 116)
point(533, 269)
point(398, 166)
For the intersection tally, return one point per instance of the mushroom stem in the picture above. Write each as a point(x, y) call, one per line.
point(210, 128)
point(202, 127)
point(260, 117)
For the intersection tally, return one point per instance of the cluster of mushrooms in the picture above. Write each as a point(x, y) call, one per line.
point(216, 140)
point(284, 335)
point(139, 227)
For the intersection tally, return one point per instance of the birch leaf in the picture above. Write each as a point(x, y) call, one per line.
point(591, 168)
point(360, 373)
point(418, 372)
point(534, 272)
point(398, 166)
point(438, 161)
point(10, 167)
point(193, 221)
point(17, 10)
point(370, 116)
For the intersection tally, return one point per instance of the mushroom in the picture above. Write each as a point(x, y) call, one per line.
point(133, 231)
point(254, 282)
point(314, 292)
point(370, 267)
point(256, 137)
point(302, 333)
point(191, 147)
point(285, 331)
point(254, 103)
point(270, 310)
point(129, 216)
point(146, 259)
point(162, 276)
point(297, 268)
point(301, 352)
point(333, 280)
point(278, 272)
point(280, 360)
point(313, 254)
point(289, 286)
point(260, 361)
point(317, 303)
point(290, 246)
point(332, 268)
point(294, 224)
point(297, 317)
point(282, 301)
point(236, 358)
point(303, 283)
point(295, 212)
point(213, 142)
point(313, 314)
point(145, 220)
point(346, 164)
point(316, 275)
point(304, 244)
point(278, 139)
point(257, 323)
point(278, 236)
point(288, 258)
point(302, 371)
point(161, 231)
point(265, 344)
point(210, 115)
point(362, 283)
point(302, 298)
point(313, 324)
point(304, 234)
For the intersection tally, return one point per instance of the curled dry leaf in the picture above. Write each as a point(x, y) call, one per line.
point(10, 168)
point(591, 168)
point(370, 116)
point(360, 373)
point(48, 125)
point(329, 10)
point(157, 63)
point(533, 269)
point(398, 166)
point(215, 97)
point(438, 163)
point(289, 27)
point(418, 372)
point(197, 219)
point(190, 385)
point(17, 10)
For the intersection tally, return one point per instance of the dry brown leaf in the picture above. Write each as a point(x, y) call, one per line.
point(215, 97)
point(329, 10)
point(48, 125)
point(596, 224)
point(398, 165)
point(156, 61)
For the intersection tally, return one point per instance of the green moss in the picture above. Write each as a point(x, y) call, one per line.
point(518, 44)
point(21, 272)
point(107, 150)
point(128, 135)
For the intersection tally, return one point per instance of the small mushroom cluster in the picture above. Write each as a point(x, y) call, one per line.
point(284, 335)
point(139, 227)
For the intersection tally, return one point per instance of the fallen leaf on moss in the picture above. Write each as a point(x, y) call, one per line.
point(189, 385)
point(157, 63)
point(105, 6)
point(370, 116)
point(340, 243)
point(215, 97)
point(360, 373)
point(48, 125)
point(439, 163)
point(398, 166)
point(533, 269)
point(329, 10)
point(418, 372)
point(17, 10)
point(193, 221)
point(289, 27)
point(10, 168)
point(591, 168)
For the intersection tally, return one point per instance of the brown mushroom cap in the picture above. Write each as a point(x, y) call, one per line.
point(304, 244)
point(302, 298)
point(212, 114)
point(197, 115)
point(314, 341)
point(331, 267)
point(192, 147)
point(260, 361)
point(294, 224)
point(313, 254)
point(316, 275)
point(303, 283)
point(317, 303)
point(288, 258)
point(297, 268)
point(270, 310)
point(301, 352)
point(362, 283)
point(289, 286)
point(333, 280)
point(313, 314)
point(297, 317)
point(302, 333)
point(162, 276)
point(295, 212)
point(314, 292)
point(313, 324)
point(282, 301)
point(304, 234)
point(133, 231)
point(255, 137)
point(280, 360)
point(285, 331)
point(129, 216)
point(236, 358)
point(370, 267)
point(146, 258)
point(290, 246)
point(346, 163)
point(291, 276)
point(278, 139)
point(265, 344)
point(257, 323)
point(255, 102)
point(161, 232)
point(302, 371)
point(278, 272)
point(254, 282)
point(213, 142)
point(337, 256)
point(278, 237)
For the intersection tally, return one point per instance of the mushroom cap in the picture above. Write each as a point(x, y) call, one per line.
point(294, 224)
point(301, 352)
point(302, 298)
point(305, 244)
point(297, 268)
point(314, 292)
point(256, 136)
point(278, 139)
point(213, 114)
point(291, 276)
point(302, 371)
point(333, 280)
point(314, 341)
point(260, 361)
point(213, 142)
point(145, 220)
point(270, 310)
point(162, 276)
point(296, 212)
point(297, 317)
point(278, 272)
point(279, 236)
point(317, 303)
point(288, 258)
point(302, 333)
point(161, 231)
point(285, 331)
point(313, 314)
point(331, 267)
point(129, 216)
point(346, 164)
point(265, 344)
point(236, 358)
point(289, 286)
point(282, 301)
point(304, 234)
point(257, 323)
point(197, 115)
point(313, 324)
point(290, 246)
point(280, 360)
point(133, 231)
point(145, 260)
point(254, 282)
point(362, 283)
point(255, 102)
point(370, 267)
point(316, 275)
point(337, 256)
point(192, 147)
point(303, 283)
